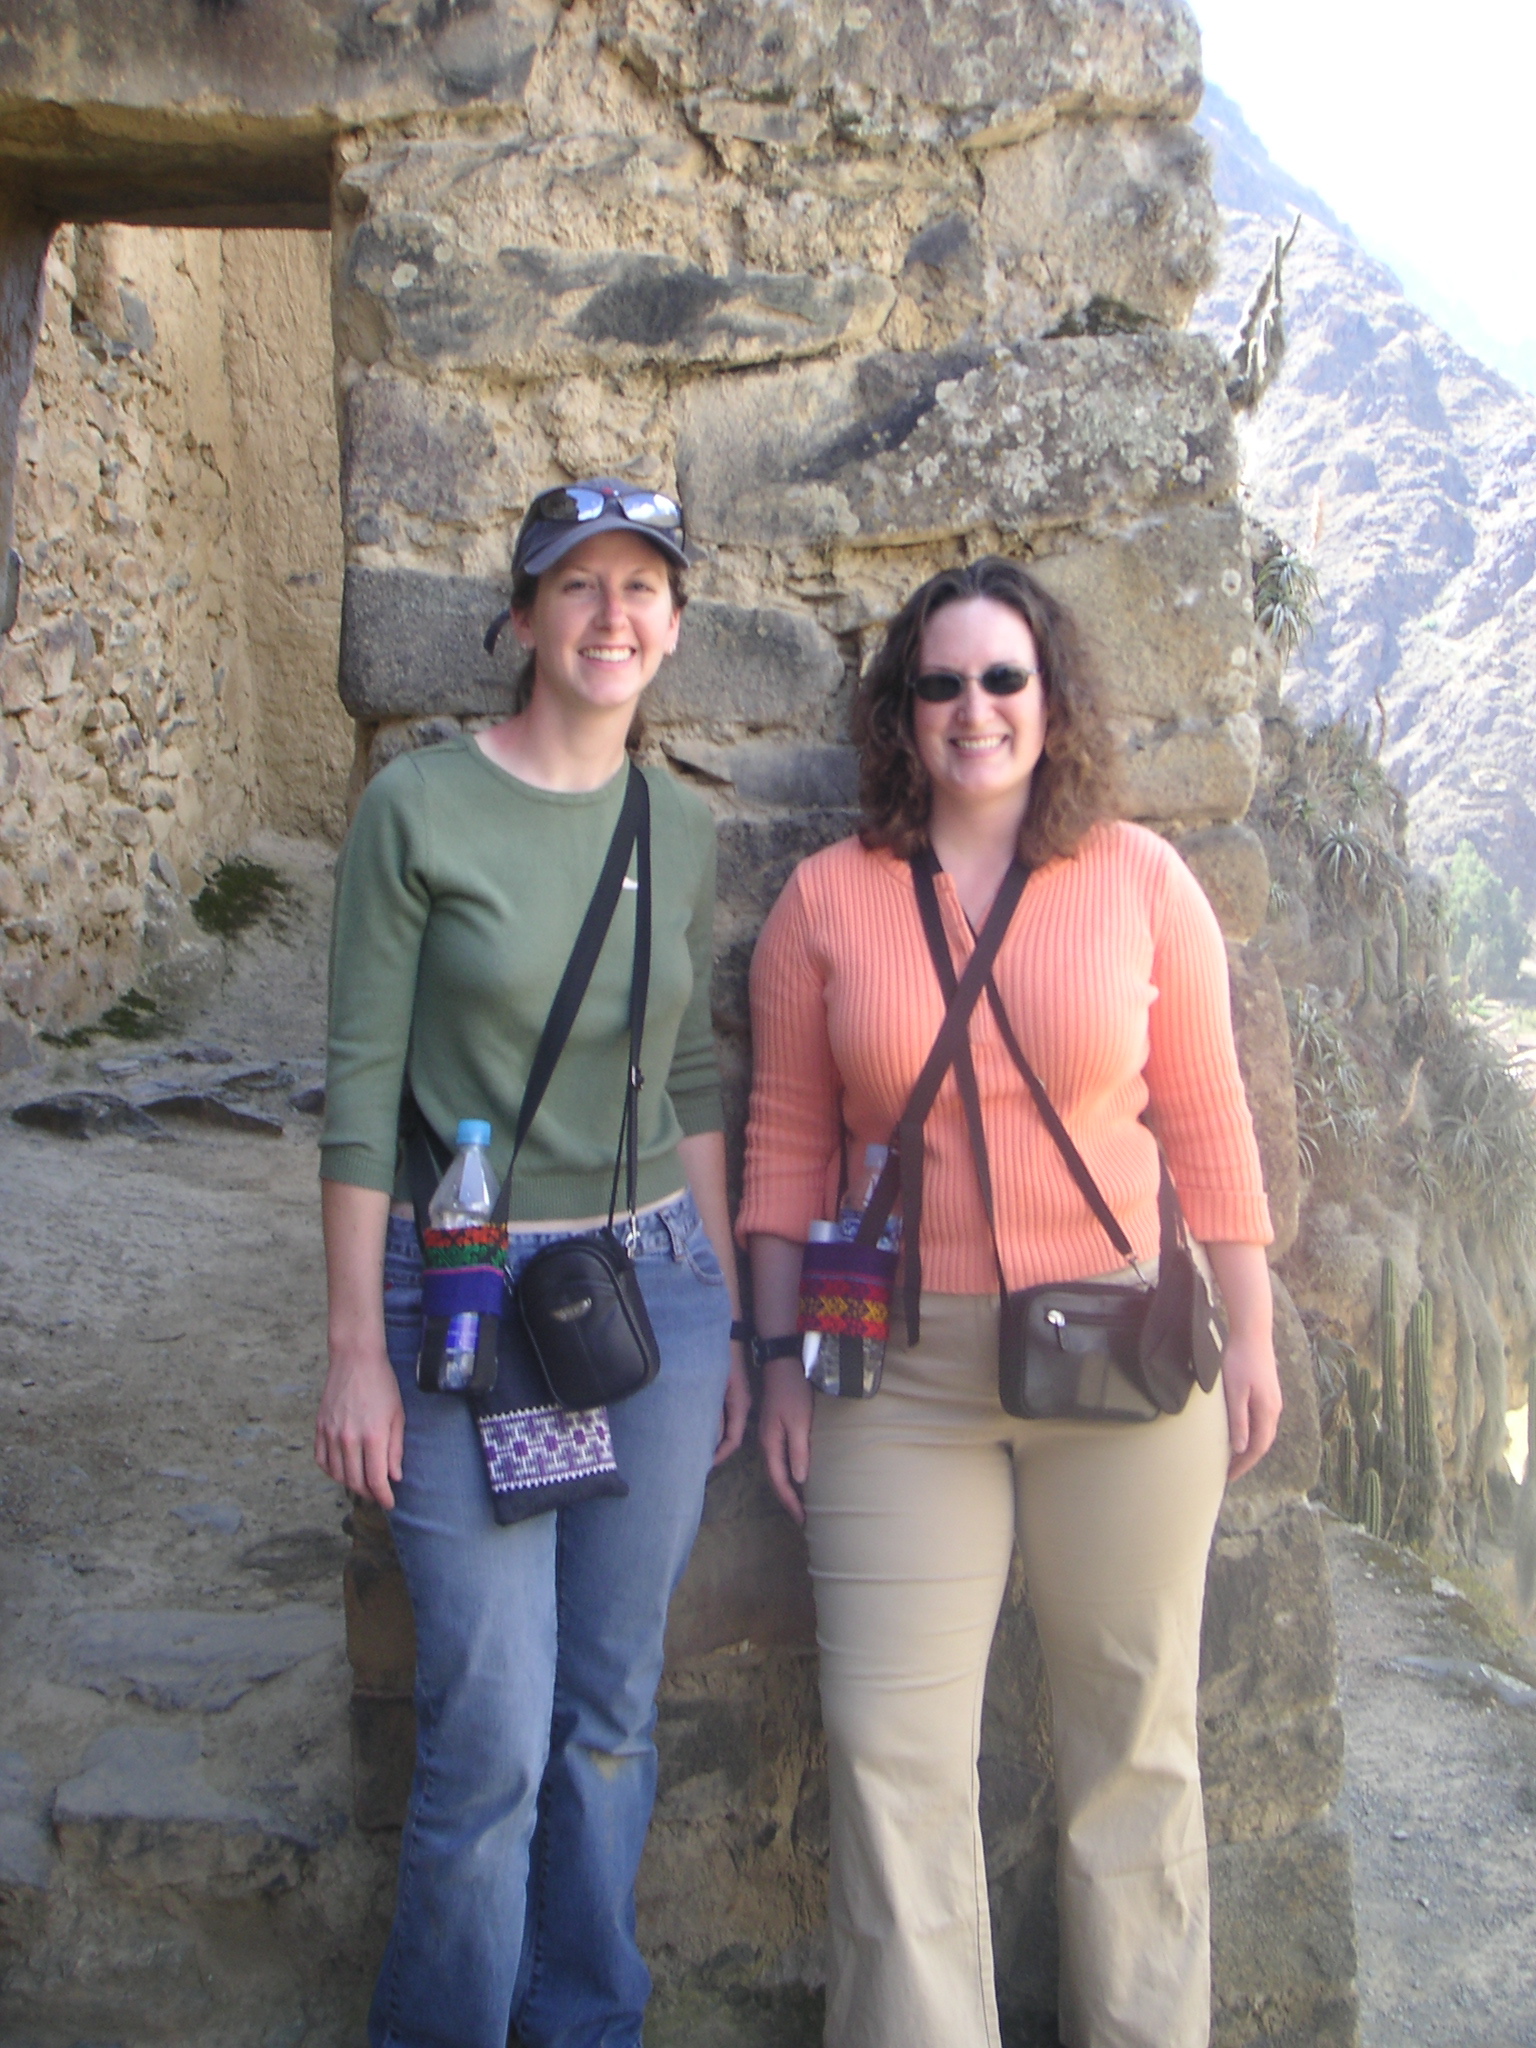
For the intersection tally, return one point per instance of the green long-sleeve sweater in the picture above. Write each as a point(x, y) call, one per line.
point(459, 893)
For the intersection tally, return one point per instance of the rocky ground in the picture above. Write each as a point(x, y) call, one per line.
point(178, 1857)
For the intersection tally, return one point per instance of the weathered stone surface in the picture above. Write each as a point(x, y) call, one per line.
point(747, 1581)
point(413, 643)
point(1283, 1942)
point(87, 1113)
point(1200, 769)
point(26, 1861)
point(746, 664)
point(197, 1106)
point(1264, 1055)
point(383, 1758)
point(177, 1657)
point(1271, 1741)
point(212, 117)
point(899, 448)
point(772, 772)
point(142, 1809)
point(981, 70)
point(542, 311)
point(1229, 863)
point(403, 736)
point(1164, 606)
point(381, 1630)
point(1112, 220)
point(219, 1517)
point(419, 453)
point(757, 855)
point(1290, 1470)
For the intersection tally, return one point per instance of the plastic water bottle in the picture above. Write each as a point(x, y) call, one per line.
point(465, 1197)
point(858, 1198)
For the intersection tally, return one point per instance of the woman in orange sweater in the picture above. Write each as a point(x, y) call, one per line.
point(982, 741)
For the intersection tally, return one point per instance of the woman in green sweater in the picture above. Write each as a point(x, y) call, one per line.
point(540, 1547)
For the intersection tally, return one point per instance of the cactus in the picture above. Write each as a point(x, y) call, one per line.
point(1362, 1403)
point(1386, 1338)
point(1419, 1445)
point(1344, 1468)
point(1368, 1501)
point(1402, 947)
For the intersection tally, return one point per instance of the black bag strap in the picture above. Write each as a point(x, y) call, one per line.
point(1170, 1218)
point(425, 1150)
point(902, 1173)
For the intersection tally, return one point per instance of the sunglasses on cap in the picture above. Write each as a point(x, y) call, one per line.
point(944, 685)
point(577, 503)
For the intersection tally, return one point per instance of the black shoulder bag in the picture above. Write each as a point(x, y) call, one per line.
point(578, 1299)
point(1102, 1350)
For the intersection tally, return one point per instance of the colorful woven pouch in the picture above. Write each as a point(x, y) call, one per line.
point(464, 1273)
point(845, 1293)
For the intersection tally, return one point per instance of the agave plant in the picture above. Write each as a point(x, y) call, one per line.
point(1284, 593)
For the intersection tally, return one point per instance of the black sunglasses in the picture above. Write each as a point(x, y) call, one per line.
point(575, 503)
point(944, 685)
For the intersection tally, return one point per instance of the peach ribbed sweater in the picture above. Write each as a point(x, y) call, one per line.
point(1114, 976)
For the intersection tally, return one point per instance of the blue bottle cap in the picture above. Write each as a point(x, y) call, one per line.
point(473, 1131)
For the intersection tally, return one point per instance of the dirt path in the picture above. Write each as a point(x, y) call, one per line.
point(173, 1684)
point(1440, 1797)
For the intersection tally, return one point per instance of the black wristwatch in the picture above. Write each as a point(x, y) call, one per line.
point(741, 1333)
point(765, 1348)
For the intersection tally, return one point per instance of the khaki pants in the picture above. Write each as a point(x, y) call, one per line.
point(914, 1503)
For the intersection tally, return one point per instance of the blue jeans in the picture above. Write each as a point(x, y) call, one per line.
point(538, 1654)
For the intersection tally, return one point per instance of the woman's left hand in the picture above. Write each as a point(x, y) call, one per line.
point(1249, 1376)
point(738, 1406)
point(1251, 1382)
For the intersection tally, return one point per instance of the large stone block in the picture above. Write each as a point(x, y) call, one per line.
point(746, 665)
point(141, 1809)
point(901, 448)
point(979, 70)
point(1264, 1054)
point(1271, 1740)
point(757, 855)
point(771, 772)
point(1290, 1470)
point(381, 1629)
point(1229, 863)
point(417, 452)
point(413, 644)
point(178, 1658)
point(747, 1580)
point(1283, 1943)
point(544, 311)
point(1099, 221)
point(1200, 769)
point(1164, 607)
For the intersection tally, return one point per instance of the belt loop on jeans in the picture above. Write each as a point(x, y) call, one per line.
point(677, 1222)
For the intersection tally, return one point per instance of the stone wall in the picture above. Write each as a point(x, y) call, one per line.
point(870, 293)
point(169, 682)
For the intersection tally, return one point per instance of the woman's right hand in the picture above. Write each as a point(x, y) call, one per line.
point(784, 1430)
point(360, 1430)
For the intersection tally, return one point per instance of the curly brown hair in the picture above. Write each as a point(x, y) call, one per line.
point(1074, 783)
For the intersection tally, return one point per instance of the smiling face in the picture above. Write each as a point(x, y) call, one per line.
point(980, 751)
point(600, 624)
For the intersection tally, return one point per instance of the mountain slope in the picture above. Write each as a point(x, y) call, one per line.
point(1405, 471)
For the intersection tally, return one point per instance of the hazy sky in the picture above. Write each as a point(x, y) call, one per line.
point(1416, 126)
